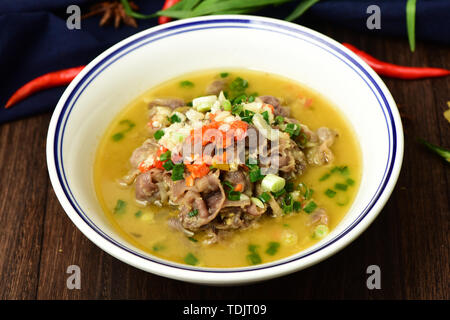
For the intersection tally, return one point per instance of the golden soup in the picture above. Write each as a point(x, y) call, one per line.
point(334, 185)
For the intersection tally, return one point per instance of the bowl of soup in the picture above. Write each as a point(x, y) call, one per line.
point(224, 150)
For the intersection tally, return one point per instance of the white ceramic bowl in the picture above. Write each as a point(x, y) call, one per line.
point(150, 57)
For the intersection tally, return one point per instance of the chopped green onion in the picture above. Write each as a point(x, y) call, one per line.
point(253, 257)
point(257, 202)
point(120, 206)
point(342, 170)
point(226, 105)
point(168, 165)
point(310, 207)
point(193, 213)
point(279, 193)
point(287, 205)
point(138, 214)
point(279, 119)
point(293, 129)
point(320, 231)
point(224, 74)
point(191, 259)
point(325, 177)
point(193, 239)
point(306, 192)
point(330, 193)
point(350, 182)
point(273, 183)
point(165, 156)
point(227, 184)
point(255, 175)
point(289, 186)
point(265, 115)
point(297, 206)
point(177, 172)
point(118, 136)
point(158, 247)
point(264, 197)
point(239, 99)
point(158, 134)
point(186, 84)
point(239, 85)
point(247, 116)
point(272, 248)
point(174, 118)
point(234, 195)
point(340, 186)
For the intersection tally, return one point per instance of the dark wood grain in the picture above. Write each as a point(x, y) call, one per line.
point(409, 240)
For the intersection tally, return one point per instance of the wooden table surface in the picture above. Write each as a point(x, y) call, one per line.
point(409, 240)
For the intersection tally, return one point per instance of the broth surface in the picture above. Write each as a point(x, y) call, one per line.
point(146, 226)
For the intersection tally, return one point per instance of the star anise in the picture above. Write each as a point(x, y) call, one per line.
point(112, 11)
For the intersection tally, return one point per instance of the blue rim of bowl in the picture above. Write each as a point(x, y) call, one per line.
point(220, 23)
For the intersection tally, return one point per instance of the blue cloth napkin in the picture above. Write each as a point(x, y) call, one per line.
point(34, 38)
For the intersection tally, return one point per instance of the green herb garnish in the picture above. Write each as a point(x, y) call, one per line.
point(224, 74)
point(178, 172)
point(310, 207)
point(340, 186)
point(193, 239)
point(174, 118)
point(120, 207)
point(120, 135)
point(168, 165)
point(279, 119)
point(265, 115)
point(238, 85)
point(279, 193)
point(158, 247)
point(293, 129)
point(297, 206)
point(253, 257)
point(330, 193)
point(193, 213)
point(191, 259)
point(158, 134)
point(138, 214)
point(165, 156)
point(272, 248)
point(186, 84)
point(264, 197)
point(350, 181)
point(287, 204)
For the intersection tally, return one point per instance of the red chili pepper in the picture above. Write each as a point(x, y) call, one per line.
point(167, 5)
point(46, 81)
point(396, 71)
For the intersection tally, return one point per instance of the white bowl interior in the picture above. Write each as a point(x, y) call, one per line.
point(150, 64)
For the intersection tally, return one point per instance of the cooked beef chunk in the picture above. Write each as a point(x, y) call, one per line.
point(321, 154)
point(278, 109)
point(146, 185)
point(215, 87)
point(172, 103)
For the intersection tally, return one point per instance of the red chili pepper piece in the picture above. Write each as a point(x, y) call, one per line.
point(46, 81)
point(396, 71)
point(167, 5)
